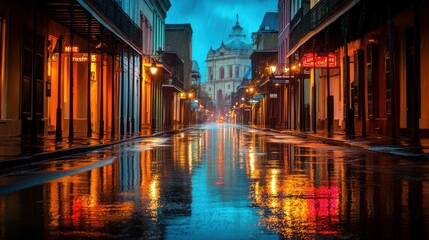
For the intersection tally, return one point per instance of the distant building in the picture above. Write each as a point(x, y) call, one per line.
point(196, 75)
point(226, 68)
point(178, 38)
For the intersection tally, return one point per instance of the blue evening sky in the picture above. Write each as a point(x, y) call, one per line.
point(212, 21)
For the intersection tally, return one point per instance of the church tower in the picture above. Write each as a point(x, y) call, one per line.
point(227, 66)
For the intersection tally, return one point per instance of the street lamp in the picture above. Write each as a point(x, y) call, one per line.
point(153, 68)
point(273, 69)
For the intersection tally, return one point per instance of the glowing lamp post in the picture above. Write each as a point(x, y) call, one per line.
point(153, 70)
point(273, 69)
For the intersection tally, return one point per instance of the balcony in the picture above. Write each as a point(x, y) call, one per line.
point(301, 24)
point(106, 12)
point(114, 13)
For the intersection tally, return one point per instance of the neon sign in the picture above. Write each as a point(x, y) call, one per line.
point(311, 60)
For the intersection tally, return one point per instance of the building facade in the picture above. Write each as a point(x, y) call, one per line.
point(69, 78)
point(266, 107)
point(226, 68)
point(360, 67)
point(152, 22)
point(179, 41)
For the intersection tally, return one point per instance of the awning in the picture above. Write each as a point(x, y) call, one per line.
point(321, 27)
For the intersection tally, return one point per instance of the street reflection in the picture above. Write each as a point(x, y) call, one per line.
point(222, 181)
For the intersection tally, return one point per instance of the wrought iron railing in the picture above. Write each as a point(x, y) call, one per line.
point(313, 18)
point(177, 82)
point(116, 15)
point(296, 18)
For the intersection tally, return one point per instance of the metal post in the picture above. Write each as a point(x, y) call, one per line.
point(113, 131)
point(71, 114)
point(133, 85)
point(122, 92)
point(330, 100)
point(101, 127)
point(314, 93)
point(128, 130)
point(349, 111)
point(141, 93)
point(301, 95)
point(58, 129)
point(153, 98)
point(88, 93)
point(289, 103)
point(33, 78)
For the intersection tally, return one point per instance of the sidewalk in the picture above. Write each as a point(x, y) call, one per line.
point(378, 143)
point(17, 151)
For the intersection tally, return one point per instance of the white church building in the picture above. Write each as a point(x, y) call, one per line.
point(226, 68)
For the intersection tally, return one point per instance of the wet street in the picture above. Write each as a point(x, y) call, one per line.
point(219, 181)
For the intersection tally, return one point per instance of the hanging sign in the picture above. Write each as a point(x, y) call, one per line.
point(182, 95)
point(311, 60)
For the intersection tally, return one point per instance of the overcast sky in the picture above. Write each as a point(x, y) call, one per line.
point(212, 21)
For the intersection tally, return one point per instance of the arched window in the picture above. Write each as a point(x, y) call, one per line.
point(222, 73)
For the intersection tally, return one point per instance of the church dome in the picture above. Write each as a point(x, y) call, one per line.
point(237, 40)
point(238, 44)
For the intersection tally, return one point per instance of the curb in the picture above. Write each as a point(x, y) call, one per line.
point(348, 143)
point(7, 165)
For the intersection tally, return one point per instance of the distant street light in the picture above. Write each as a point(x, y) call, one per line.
point(273, 69)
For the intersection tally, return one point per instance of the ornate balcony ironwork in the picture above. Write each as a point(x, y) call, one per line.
point(322, 11)
point(114, 13)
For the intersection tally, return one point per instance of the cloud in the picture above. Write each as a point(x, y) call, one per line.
point(212, 21)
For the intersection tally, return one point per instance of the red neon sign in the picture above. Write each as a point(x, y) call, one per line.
point(311, 60)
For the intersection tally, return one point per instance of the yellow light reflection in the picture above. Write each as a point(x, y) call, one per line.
point(190, 156)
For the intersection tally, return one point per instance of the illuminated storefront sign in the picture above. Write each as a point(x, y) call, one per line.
point(68, 49)
point(182, 95)
point(83, 57)
point(311, 60)
point(80, 57)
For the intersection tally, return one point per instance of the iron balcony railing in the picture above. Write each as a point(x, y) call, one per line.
point(178, 83)
point(116, 15)
point(323, 10)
